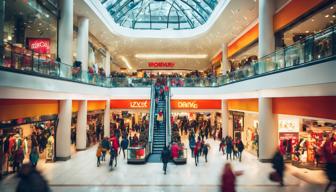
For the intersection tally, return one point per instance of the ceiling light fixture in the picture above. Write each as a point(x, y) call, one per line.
point(123, 58)
point(171, 56)
point(326, 16)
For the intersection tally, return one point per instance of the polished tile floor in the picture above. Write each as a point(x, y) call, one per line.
point(81, 174)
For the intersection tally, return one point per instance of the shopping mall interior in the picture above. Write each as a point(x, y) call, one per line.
point(168, 95)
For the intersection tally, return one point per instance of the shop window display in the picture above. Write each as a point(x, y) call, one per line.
point(26, 137)
point(252, 138)
point(309, 152)
point(238, 124)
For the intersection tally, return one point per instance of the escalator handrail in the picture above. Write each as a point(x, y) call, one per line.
point(151, 118)
point(168, 126)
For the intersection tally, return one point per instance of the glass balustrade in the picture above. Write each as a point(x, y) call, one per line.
point(310, 49)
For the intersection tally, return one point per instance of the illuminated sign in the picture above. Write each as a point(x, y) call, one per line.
point(139, 104)
point(161, 64)
point(196, 104)
point(289, 125)
point(130, 104)
point(187, 104)
point(39, 45)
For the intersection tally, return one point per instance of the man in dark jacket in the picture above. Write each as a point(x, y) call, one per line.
point(278, 165)
point(165, 154)
point(240, 147)
point(124, 145)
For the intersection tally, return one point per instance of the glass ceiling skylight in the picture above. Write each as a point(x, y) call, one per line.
point(160, 14)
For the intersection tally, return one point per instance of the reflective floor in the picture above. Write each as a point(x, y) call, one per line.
point(81, 174)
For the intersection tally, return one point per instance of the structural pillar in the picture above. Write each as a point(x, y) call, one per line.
point(267, 130)
point(81, 126)
point(83, 42)
point(63, 140)
point(107, 63)
point(225, 118)
point(65, 31)
point(266, 34)
point(107, 119)
point(225, 66)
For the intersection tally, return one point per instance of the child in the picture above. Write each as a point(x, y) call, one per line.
point(99, 154)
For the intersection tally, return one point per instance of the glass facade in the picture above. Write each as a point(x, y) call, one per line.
point(160, 14)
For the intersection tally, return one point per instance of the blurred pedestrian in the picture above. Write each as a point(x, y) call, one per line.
point(31, 180)
point(165, 154)
point(99, 154)
point(229, 179)
point(279, 166)
point(329, 152)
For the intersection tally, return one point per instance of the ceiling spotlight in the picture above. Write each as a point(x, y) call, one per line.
point(332, 7)
point(326, 16)
point(307, 31)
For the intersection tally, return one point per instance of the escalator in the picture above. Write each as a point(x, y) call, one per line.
point(160, 121)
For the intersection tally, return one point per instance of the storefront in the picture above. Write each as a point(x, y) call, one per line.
point(27, 134)
point(129, 114)
point(301, 139)
point(198, 113)
point(30, 33)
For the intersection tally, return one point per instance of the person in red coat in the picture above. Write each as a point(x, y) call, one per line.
point(229, 179)
point(174, 150)
point(115, 145)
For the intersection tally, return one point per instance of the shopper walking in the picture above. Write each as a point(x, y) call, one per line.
point(18, 159)
point(279, 166)
point(124, 145)
point(329, 152)
point(99, 154)
point(222, 145)
point(113, 156)
point(197, 151)
point(206, 148)
point(106, 145)
point(229, 147)
point(192, 143)
point(34, 157)
point(240, 147)
point(165, 154)
point(229, 179)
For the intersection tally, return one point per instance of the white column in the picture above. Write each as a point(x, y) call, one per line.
point(225, 63)
point(63, 141)
point(267, 130)
point(212, 118)
point(83, 42)
point(81, 125)
point(107, 119)
point(266, 34)
point(65, 29)
point(107, 64)
point(225, 118)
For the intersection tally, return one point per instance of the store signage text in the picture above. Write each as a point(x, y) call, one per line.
point(187, 104)
point(39, 45)
point(138, 104)
point(161, 64)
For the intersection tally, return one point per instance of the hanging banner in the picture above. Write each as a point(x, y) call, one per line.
point(39, 45)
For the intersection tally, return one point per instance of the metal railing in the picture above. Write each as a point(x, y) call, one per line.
point(151, 119)
point(168, 116)
point(313, 49)
point(310, 50)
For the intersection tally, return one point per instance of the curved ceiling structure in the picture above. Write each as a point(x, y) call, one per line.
point(160, 14)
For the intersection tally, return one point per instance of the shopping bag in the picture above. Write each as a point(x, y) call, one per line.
point(274, 176)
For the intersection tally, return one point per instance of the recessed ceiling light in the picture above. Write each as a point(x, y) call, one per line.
point(333, 16)
point(332, 7)
point(307, 31)
point(326, 16)
point(312, 20)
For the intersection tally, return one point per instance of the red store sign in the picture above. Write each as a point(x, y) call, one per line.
point(161, 64)
point(39, 45)
point(130, 104)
